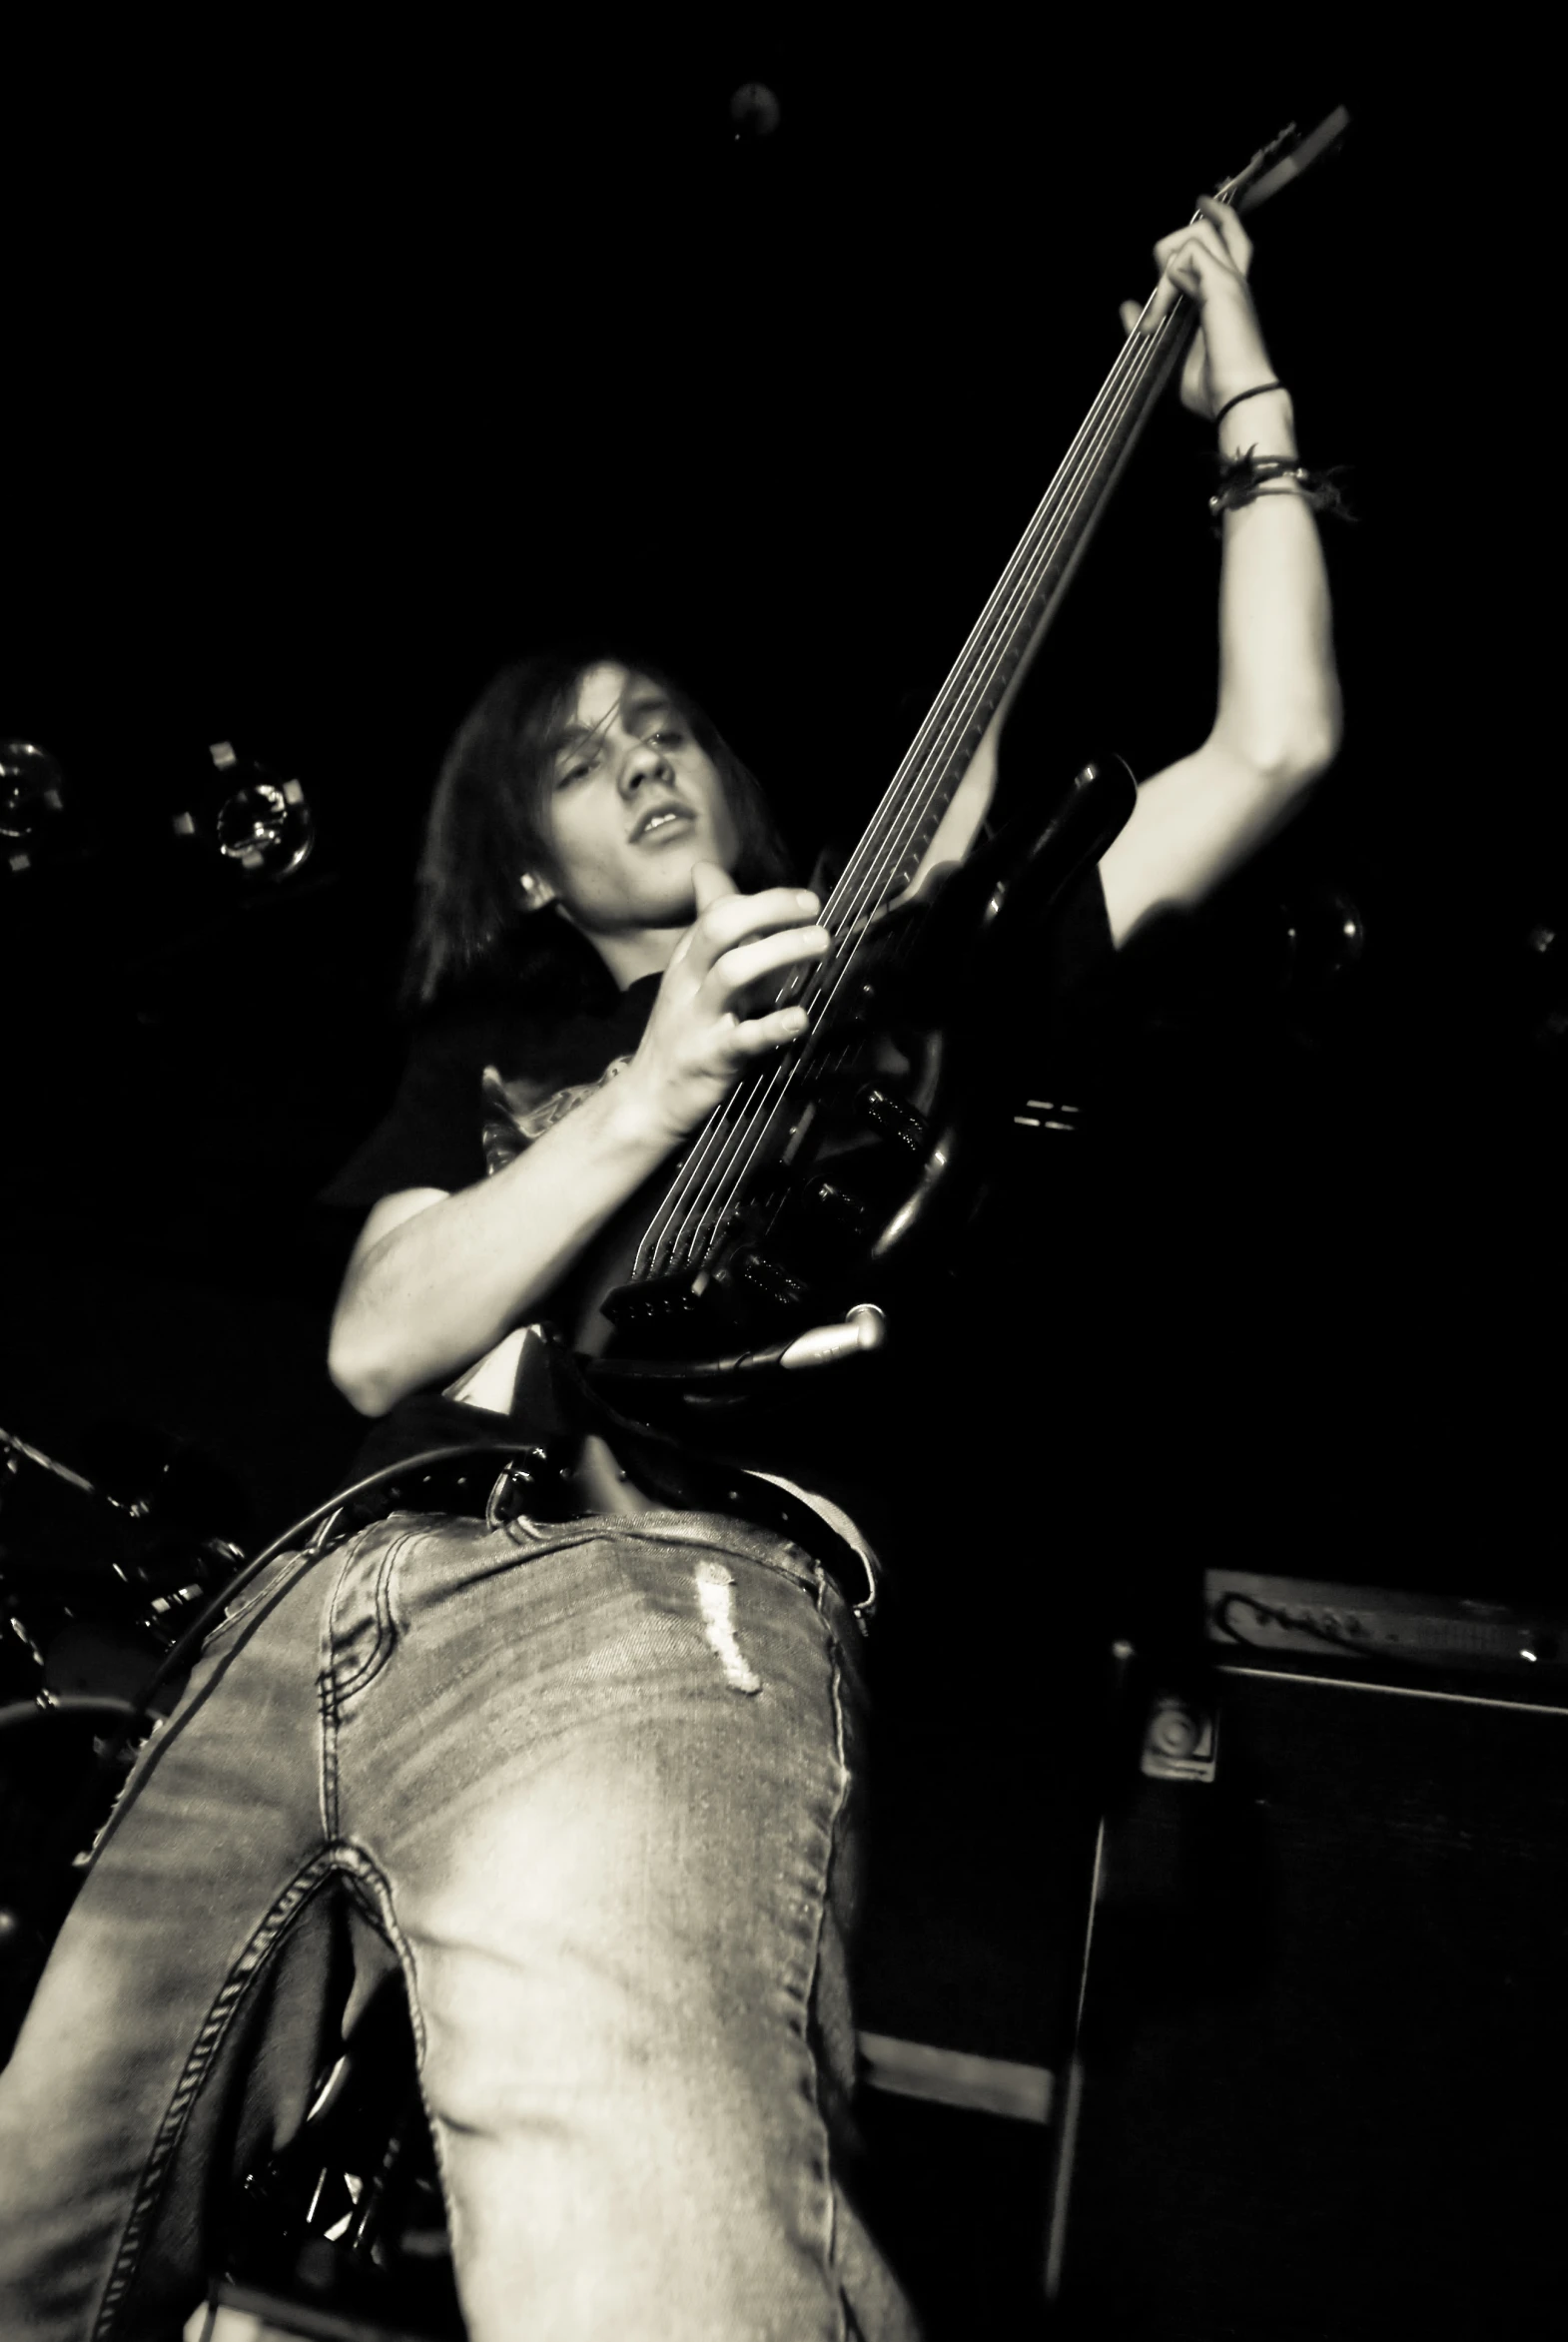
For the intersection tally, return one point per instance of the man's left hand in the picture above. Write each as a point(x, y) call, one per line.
point(1208, 261)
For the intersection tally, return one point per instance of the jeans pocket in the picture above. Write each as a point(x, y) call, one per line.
point(359, 1630)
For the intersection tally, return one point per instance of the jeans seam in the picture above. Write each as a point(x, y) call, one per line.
point(165, 1730)
point(203, 2050)
point(814, 2048)
point(371, 1883)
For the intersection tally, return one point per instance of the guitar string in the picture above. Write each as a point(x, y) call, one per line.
point(883, 866)
point(973, 677)
point(1140, 350)
point(916, 785)
point(1102, 425)
point(918, 782)
point(1027, 569)
point(747, 1111)
point(728, 1126)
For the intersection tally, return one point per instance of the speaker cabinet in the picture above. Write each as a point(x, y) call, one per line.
point(1321, 2084)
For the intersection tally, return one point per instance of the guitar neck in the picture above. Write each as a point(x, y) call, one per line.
point(740, 1134)
point(1016, 618)
point(1014, 621)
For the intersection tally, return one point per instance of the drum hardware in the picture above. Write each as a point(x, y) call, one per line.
point(346, 2223)
point(97, 1560)
point(99, 1577)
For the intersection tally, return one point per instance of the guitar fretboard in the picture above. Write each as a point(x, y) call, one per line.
point(742, 1136)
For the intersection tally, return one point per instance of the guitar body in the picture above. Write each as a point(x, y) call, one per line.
point(870, 1156)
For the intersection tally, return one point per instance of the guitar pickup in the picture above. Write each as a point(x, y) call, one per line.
point(674, 1307)
point(894, 1119)
point(767, 1279)
point(657, 1304)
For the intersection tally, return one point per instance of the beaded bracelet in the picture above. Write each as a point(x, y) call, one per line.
point(1244, 478)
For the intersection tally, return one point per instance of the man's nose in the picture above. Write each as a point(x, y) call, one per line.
point(645, 762)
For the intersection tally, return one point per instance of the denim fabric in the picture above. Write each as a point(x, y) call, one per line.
point(595, 1787)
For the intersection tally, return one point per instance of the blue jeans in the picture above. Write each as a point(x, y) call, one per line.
point(595, 1787)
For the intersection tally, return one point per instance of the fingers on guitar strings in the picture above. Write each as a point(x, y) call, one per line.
point(762, 1035)
point(1227, 224)
point(748, 964)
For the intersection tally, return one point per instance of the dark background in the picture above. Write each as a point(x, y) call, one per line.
point(339, 374)
point(339, 371)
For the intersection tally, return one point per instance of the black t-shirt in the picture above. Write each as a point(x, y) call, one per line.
point(486, 1074)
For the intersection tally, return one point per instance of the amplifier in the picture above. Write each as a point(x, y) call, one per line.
point(1319, 2086)
point(1369, 1624)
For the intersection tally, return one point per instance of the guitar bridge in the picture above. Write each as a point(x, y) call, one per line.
point(659, 1304)
point(730, 1297)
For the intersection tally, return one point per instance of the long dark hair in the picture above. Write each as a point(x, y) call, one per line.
point(485, 829)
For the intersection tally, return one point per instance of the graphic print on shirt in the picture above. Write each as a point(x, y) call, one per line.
point(515, 1114)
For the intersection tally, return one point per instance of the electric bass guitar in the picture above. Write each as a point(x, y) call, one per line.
point(809, 1200)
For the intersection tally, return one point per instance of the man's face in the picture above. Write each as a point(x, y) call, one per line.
point(632, 803)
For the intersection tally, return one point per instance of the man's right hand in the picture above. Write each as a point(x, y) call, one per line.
point(700, 1037)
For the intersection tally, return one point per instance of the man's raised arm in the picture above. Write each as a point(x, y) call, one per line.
point(1277, 721)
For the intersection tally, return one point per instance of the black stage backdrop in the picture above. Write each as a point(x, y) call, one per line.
point(339, 374)
point(337, 378)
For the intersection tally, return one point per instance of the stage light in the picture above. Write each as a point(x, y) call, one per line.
point(32, 799)
point(1324, 934)
point(264, 826)
point(755, 111)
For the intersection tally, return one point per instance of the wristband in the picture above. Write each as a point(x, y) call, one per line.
point(1246, 478)
point(1257, 391)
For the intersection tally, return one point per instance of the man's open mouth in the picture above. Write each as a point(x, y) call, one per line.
point(661, 818)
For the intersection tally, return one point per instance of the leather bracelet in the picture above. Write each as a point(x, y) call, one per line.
point(1257, 391)
point(1244, 478)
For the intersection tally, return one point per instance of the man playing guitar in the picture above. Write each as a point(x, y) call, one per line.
point(591, 1784)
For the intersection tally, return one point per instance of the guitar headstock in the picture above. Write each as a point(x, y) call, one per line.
point(1283, 159)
